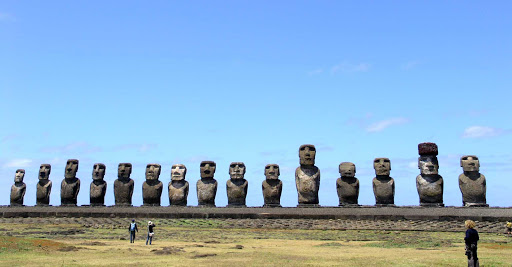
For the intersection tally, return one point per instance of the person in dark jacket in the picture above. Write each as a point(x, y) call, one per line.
point(471, 241)
point(150, 232)
point(132, 228)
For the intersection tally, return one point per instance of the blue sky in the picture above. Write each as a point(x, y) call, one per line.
point(180, 82)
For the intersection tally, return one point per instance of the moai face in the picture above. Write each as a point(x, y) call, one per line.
point(18, 177)
point(307, 155)
point(470, 163)
point(347, 169)
point(236, 170)
point(428, 165)
point(98, 172)
point(382, 166)
point(71, 168)
point(124, 170)
point(44, 171)
point(272, 172)
point(207, 169)
point(152, 171)
point(178, 172)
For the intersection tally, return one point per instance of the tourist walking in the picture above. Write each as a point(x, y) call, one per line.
point(508, 225)
point(151, 225)
point(133, 228)
point(471, 241)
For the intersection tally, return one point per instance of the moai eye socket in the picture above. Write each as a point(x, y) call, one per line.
point(181, 167)
point(464, 158)
point(386, 160)
point(312, 149)
point(232, 165)
point(267, 167)
point(475, 158)
point(376, 161)
point(302, 148)
point(202, 165)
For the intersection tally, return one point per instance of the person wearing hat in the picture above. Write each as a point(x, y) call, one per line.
point(150, 232)
point(133, 228)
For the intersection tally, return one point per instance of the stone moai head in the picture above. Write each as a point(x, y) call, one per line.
point(347, 169)
point(98, 172)
point(207, 169)
point(236, 170)
point(44, 171)
point(178, 172)
point(470, 163)
point(18, 177)
point(153, 171)
point(71, 168)
point(124, 170)
point(307, 155)
point(272, 172)
point(382, 166)
point(427, 162)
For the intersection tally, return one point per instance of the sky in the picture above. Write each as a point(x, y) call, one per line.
point(173, 82)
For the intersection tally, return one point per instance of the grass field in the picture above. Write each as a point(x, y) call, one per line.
point(200, 243)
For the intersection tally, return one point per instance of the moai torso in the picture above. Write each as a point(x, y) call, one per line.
point(207, 186)
point(429, 183)
point(236, 186)
point(347, 185)
point(18, 188)
point(44, 186)
point(383, 184)
point(152, 187)
point(178, 187)
point(472, 183)
point(307, 177)
point(272, 187)
point(70, 186)
point(98, 185)
point(123, 185)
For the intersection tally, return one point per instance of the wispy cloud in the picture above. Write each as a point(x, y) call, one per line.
point(381, 125)
point(81, 147)
point(410, 65)
point(483, 132)
point(18, 163)
point(9, 137)
point(315, 72)
point(347, 67)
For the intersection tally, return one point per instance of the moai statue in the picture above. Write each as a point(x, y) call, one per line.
point(236, 186)
point(207, 186)
point(272, 187)
point(18, 188)
point(347, 185)
point(152, 187)
point(98, 185)
point(383, 184)
point(123, 185)
point(429, 183)
point(178, 187)
point(307, 177)
point(472, 182)
point(44, 186)
point(70, 186)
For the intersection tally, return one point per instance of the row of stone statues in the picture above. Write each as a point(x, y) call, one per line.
point(307, 179)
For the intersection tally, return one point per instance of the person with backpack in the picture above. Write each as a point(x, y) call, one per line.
point(150, 232)
point(471, 241)
point(133, 229)
point(508, 225)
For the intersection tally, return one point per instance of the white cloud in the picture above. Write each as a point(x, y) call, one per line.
point(315, 72)
point(18, 163)
point(481, 132)
point(349, 67)
point(381, 125)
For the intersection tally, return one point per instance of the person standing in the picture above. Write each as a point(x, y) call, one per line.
point(471, 241)
point(151, 225)
point(133, 228)
point(508, 225)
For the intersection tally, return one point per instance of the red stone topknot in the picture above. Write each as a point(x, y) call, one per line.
point(427, 149)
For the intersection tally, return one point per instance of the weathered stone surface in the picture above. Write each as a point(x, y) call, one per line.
point(70, 186)
point(236, 186)
point(429, 183)
point(44, 186)
point(152, 187)
point(178, 187)
point(18, 188)
point(383, 184)
point(472, 183)
point(347, 185)
point(98, 185)
point(272, 187)
point(123, 185)
point(307, 177)
point(207, 186)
